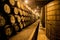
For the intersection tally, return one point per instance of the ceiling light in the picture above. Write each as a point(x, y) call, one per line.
point(26, 1)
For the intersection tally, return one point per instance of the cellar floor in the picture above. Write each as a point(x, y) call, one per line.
point(26, 34)
point(41, 33)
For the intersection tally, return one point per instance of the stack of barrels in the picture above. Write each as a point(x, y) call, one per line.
point(53, 20)
point(13, 18)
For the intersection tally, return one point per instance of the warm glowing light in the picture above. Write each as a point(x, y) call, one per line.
point(37, 14)
point(37, 7)
point(35, 10)
point(26, 1)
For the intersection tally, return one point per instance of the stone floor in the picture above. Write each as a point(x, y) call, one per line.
point(41, 33)
point(26, 34)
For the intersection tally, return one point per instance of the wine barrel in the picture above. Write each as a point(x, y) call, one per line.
point(15, 10)
point(22, 18)
point(18, 4)
point(16, 27)
point(24, 24)
point(10, 2)
point(18, 19)
point(8, 30)
point(5, 8)
point(5, 19)
point(2, 21)
point(21, 12)
point(24, 13)
point(21, 25)
point(5, 5)
point(22, 7)
point(12, 19)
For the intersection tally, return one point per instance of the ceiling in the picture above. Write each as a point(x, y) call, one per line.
point(34, 3)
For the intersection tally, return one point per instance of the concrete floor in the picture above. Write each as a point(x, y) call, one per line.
point(27, 34)
point(41, 33)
